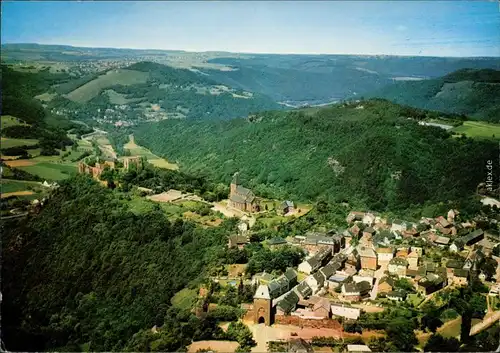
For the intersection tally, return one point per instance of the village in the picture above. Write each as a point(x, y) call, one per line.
point(373, 264)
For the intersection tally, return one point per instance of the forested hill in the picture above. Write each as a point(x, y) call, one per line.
point(88, 271)
point(475, 93)
point(369, 153)
point(151, 91)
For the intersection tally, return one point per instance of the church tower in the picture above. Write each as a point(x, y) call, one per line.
point(235, 182)
point(262, 306)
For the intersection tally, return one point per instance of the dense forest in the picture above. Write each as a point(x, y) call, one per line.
point(111, 273)
point(323, 78)
point(472, 92)
point(371, 154)
point(175, 90)
point(18, 90)
point(93, 272)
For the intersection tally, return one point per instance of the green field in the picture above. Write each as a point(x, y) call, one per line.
point(142, 205)
point(46, 97)
point(9, 120)
point(8, 185)
point(136, 150)
point(8, 142)
point(451, 328)
point(118, 98)
point(113, 77)
point(479, 129)
point(184, 299)
point(51, 171)
point(414, 299)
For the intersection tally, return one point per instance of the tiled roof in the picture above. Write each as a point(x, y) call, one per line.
point(398, 261)
point(304, 289)
point(288, 302)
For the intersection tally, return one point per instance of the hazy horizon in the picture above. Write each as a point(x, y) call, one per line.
point(438, 29)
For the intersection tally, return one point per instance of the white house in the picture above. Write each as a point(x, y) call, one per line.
point(358, 279)
point(385, 254)
point(355, 348)
point(345, 311)
point(316, 281)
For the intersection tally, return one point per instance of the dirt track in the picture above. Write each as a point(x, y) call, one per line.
point(19, 163)
point(17, 193)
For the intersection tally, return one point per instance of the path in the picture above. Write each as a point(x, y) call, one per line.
point(490, 201)
point(233, 212)
point(263, 334)
point(488, 320)
point(378, 275)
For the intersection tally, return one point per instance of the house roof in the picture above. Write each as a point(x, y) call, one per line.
point(459, 272)
point(262, 292)
point(471, 236)
point(264, 276)
point(369, 230)
point(338, 277)
point(385, 251)
point(276, 241)
point(398, 261)
point(366, 252)
point(319, 278)
point(330, 269)
point(387, 280)
point(412, 273)
point(288, 302)
point(322, 303)
point(242, 194)
point(430, 267)
point(304, 289)
point(290, 274)
point(351, 287)
point(454, 264)
point(442, 240)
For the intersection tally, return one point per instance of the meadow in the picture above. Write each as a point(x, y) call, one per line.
point(136, 150)
point(50, 170)
point(9, 142)
point(8, 121)
point(479, 129)
point(114, 77)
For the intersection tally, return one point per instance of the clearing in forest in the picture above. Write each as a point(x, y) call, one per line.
point(113, 77)
point(479, 129)
point(136, 150)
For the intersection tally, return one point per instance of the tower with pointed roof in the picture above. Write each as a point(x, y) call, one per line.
point(262, 305)
point(235, 182)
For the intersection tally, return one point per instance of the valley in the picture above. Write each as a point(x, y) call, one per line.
point(181, 201)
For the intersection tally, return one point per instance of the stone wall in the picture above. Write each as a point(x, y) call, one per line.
point(297, 321)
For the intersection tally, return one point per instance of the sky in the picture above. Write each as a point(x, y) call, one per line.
point(434, 28)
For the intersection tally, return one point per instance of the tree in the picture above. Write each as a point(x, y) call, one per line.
point(405, 284)
point(489, 267)
point(401, 335)
point(238, 331)
point(438, 343)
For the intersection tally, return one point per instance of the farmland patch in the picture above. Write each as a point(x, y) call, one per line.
point(93, 88)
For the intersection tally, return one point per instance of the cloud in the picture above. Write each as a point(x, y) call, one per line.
point(401, 28)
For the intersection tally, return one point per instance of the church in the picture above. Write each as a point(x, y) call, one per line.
point(242, 198)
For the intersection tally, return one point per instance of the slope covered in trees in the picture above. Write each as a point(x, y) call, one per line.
point(173, 92)
point(86, 270)
point(471, 92)
point(322, 78)
point(370, 154)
